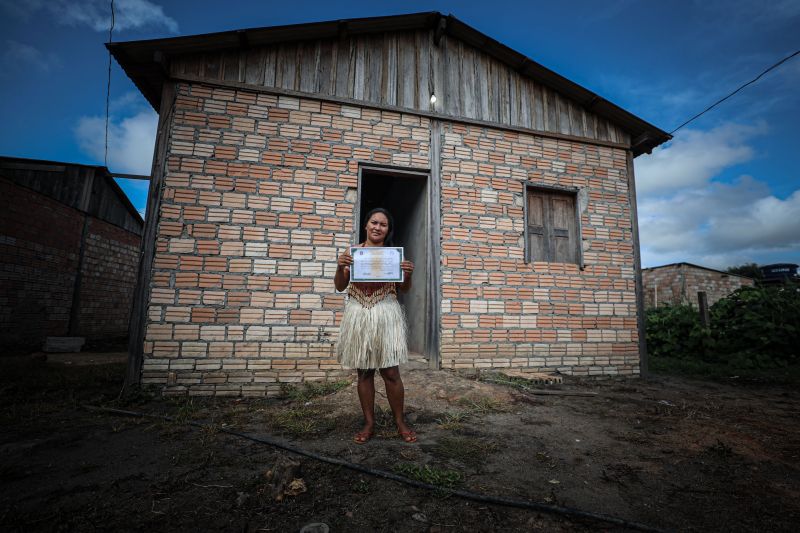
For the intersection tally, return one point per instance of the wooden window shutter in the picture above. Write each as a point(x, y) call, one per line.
point(537, 234)
point(552, 227)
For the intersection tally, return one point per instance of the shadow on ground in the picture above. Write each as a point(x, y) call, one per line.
point(667, 452)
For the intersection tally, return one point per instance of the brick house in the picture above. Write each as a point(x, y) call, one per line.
point(679, 283)
point(512, 188)
point(69, 242)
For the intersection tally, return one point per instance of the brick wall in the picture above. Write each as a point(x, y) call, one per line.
point(39, 245)
point(499, 311)
point(255, 207)
point(258, 200)
point(679, 284)
point(110, 265)
point(39, 257)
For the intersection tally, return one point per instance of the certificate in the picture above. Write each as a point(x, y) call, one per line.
point(376, 263)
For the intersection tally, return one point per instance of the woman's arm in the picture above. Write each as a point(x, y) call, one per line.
point(408, 268)
point(342, 276)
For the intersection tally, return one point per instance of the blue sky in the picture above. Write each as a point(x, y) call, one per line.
point(725, 191)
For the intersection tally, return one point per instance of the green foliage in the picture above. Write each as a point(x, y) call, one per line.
point(750, 270)
point(754, 327)
point(432, 475)
point(675, 331)
point(758, 327)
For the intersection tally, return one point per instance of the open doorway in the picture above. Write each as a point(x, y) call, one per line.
point(405, 194)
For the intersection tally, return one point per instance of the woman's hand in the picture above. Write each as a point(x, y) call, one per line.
point(407, 267)
point(342, 276)
point(345, 260)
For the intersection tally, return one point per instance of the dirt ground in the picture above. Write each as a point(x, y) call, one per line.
point(670, 453)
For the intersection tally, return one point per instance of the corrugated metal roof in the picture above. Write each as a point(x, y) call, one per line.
point(143, 61)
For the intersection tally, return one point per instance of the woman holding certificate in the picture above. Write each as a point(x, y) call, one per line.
point(372, 335)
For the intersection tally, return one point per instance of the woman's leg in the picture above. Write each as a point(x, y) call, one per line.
point(366, 395)
point(396, 396)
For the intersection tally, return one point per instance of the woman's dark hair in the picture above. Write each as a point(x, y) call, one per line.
point(389, 240)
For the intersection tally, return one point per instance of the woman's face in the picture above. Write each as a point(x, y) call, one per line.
point(377, 228)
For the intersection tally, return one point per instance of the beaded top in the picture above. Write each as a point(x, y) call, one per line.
point(369, 294)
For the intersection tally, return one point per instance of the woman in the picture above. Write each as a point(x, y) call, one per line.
point(373, 330)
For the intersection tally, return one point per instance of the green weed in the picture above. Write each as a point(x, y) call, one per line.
point(444, 478)
point(453, 420)
point(310, 390)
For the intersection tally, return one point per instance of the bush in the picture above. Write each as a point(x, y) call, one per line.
point(758, 327)
point(755, 327)
point(674, 331)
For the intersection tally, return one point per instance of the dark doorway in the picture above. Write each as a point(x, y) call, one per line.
point(405, 196)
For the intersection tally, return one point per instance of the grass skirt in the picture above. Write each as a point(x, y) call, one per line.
point(373, 337)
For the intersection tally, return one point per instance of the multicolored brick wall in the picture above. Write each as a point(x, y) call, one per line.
point(679, 284)
point(258, 200)
point(498, 310)
point(40, 248)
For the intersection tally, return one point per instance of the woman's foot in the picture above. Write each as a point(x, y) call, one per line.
point(406, 433)
point(363, 436)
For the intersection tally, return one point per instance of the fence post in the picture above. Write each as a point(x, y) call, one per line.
point(702, 302)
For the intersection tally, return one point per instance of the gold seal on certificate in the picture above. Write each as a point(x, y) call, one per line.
point(376, 263)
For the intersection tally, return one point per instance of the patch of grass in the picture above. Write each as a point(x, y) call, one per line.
point(186, 408)
point(301, 421)
point(483, 405)
point(310, 389)
point(514, 382)
point(440, 477)
point(469, 451)
point(789, 375)
point(360, 487)
point(453, 420)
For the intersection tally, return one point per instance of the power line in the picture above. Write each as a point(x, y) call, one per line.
point(715, 104)
point(108, 85)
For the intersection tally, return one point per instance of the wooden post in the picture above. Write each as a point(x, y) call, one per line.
point(141, 295)
point(637, 268)
point(702, 302)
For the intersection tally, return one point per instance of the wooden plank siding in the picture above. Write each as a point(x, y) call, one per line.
point(402, 69)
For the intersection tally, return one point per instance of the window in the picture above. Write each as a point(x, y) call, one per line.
point(552, 226)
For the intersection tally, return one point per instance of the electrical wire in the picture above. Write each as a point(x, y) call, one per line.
point(108, 84)
point(474, 496)
point(715, 104)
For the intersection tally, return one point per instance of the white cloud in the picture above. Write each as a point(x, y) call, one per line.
point(128, 14)
point(21, 55)
point(686, 215)
point(693, 158)
point(131, 140)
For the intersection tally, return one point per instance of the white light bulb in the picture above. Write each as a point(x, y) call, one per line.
point(433, 98)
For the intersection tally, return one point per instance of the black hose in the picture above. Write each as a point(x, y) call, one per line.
point(498, 500)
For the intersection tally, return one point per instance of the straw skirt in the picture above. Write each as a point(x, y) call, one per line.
point(373, 336)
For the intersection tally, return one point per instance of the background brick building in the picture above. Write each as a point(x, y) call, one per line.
point(512, 189)
point(69, 250)
point(679, 283)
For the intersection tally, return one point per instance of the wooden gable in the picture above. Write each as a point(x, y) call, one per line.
point(403, 69)
point(394, 62)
